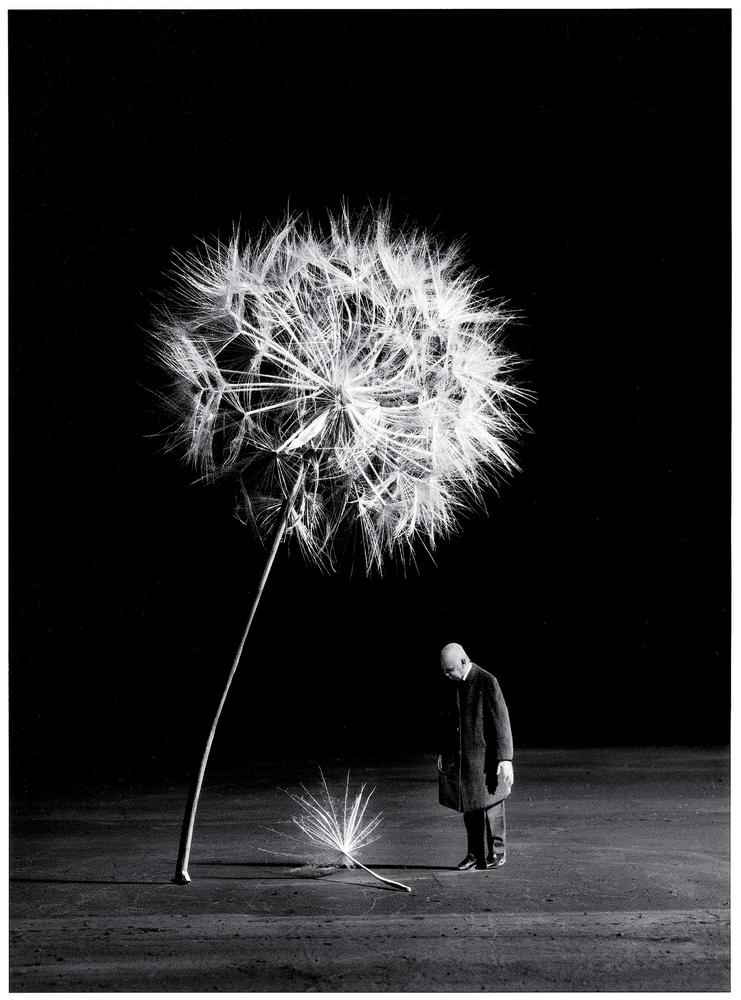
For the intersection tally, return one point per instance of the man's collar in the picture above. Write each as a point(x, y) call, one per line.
point(467, 673)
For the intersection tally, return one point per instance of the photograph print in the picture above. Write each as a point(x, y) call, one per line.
point(369, 576)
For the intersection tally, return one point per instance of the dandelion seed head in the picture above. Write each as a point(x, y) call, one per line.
point(362, 360)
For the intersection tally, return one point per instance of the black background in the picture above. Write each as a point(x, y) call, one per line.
point(586, 157)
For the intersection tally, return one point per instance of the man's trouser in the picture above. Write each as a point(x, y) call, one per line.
point(487, 831)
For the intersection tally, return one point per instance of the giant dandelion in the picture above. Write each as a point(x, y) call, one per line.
point(354, 383)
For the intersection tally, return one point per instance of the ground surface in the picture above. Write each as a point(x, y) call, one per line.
point(617, 879)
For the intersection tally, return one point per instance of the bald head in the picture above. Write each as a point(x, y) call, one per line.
point(454, 661)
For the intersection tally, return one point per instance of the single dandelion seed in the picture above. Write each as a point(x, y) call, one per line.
point(354, 384)
point(339, 825)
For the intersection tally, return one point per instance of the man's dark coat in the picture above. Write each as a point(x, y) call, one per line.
point(475, 734)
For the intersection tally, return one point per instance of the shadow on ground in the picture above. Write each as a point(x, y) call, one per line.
point(617, 880)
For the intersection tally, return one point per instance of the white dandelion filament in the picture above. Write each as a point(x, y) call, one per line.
point(367, 357)
point(359, 372)
point(325, 826)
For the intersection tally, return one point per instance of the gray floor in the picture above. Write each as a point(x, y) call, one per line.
point(617, 880)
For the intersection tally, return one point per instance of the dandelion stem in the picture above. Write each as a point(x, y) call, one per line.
point(186, 836)
point(388, 881)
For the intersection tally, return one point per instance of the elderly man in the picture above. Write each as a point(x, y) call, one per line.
point(475, 759)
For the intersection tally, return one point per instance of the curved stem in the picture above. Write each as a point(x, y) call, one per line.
point(388, 881)
point(186, 834)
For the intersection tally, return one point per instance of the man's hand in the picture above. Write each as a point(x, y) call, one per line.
point(439, 762)
point(506, 772)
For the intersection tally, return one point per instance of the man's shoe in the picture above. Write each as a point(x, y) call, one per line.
point(496, 860)
point(468, 862)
